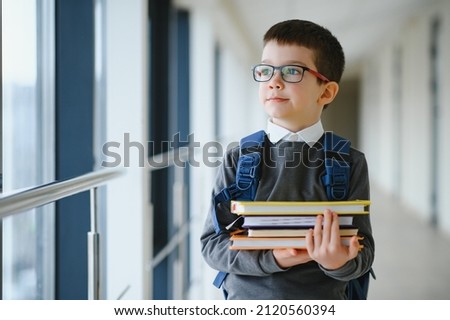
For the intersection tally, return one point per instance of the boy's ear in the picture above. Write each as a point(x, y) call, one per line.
point(329, 92)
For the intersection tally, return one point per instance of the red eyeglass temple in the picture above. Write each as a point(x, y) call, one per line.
point(318, 75)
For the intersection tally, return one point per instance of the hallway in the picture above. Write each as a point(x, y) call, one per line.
point(412, 259)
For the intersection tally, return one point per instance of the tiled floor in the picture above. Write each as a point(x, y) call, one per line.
point(412, 259)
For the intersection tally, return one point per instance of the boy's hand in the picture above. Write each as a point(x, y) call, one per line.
point(324, 243)
point(290, 257)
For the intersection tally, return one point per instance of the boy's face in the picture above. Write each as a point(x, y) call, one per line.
point(293, 106)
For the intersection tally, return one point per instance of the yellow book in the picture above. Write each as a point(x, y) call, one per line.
point(299, 207)
point(243, 242)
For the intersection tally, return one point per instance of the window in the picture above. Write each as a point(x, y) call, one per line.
point(169, 129)
point(27, 144)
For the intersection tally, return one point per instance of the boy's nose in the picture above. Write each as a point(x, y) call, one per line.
point(277, 80)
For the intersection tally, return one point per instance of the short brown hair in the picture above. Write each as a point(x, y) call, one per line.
point(329, 56)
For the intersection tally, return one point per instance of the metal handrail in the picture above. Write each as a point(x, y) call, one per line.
point(17, 202)
point(27, 199)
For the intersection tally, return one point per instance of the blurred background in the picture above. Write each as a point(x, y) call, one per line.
point(89, 84)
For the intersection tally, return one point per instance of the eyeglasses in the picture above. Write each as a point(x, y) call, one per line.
point(289, 73)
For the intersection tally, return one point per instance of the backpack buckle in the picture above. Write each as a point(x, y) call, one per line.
point(248, 170)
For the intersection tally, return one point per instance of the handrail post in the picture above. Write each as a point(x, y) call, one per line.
point(93, 252)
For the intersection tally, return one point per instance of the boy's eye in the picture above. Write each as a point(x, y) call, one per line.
point(291, 71)
point(265, 71)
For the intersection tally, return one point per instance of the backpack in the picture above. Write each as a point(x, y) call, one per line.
point(335, 180)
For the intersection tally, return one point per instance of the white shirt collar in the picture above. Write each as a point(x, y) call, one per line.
point(309, 135)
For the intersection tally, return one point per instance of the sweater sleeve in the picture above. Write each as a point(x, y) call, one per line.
point(215, 247)
point(359, 189)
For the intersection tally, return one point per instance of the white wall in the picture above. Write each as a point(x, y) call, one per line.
point(240, 113)
point(396, 129)
point(127, 245)
point(202, 125)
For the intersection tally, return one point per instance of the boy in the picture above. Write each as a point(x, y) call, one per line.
point(301, 66)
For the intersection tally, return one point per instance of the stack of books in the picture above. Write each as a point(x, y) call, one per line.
point(284, 224)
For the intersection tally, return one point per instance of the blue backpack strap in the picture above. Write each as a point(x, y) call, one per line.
point(225, 195)
point(337, 166)
point(220, 278)
point(248, 173)
point(358, 288)
point(248, 170)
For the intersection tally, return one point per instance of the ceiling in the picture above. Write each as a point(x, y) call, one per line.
point(358, 24)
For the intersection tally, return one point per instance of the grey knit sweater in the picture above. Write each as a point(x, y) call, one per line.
point(291, 172)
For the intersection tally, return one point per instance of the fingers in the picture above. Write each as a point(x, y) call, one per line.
point(328, 218)
point(323, 243)
point(309, 238)
point(353, 248)
point(335, 237)
point(320, 234)
point(326, 229)
point(318, 231)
